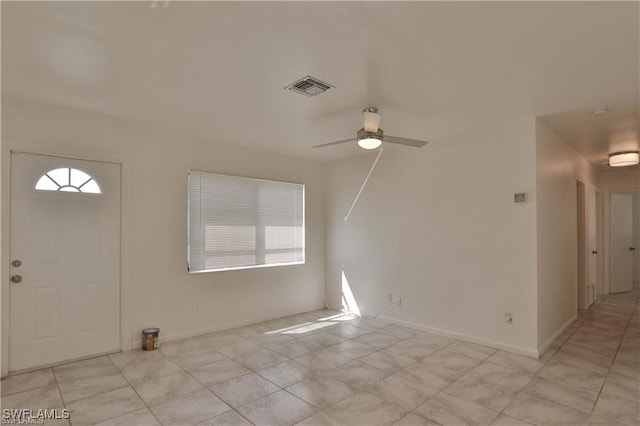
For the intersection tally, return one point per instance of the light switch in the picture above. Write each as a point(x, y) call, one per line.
point(519, 197)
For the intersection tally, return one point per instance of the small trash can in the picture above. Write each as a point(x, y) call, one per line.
point(150, 339)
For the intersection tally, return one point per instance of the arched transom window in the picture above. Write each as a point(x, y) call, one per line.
point(67, 179)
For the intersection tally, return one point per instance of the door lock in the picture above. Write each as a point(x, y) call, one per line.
point(16, 263)
point(16, 279)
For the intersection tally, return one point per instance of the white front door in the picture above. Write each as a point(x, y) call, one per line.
point(65, 253)
point(621, 243)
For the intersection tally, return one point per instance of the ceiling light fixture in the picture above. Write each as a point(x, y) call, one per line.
point(371, 135)
point(369, 140)
point(622, 159)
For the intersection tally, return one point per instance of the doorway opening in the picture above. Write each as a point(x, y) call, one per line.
point(581, 246)
point(599, 251)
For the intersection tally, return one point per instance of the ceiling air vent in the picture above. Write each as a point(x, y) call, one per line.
point(309, 86)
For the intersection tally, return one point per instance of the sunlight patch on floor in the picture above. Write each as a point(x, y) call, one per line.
point(348, 300)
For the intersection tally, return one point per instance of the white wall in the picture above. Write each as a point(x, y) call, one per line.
point(558, 168)
point(438, 228)
point(157, 290)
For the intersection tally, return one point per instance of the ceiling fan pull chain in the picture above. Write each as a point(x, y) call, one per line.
point(363, 185)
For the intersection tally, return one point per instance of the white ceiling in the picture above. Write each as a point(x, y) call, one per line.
point(217, 70)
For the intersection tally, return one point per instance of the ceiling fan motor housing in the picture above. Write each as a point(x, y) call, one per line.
point(363, 134)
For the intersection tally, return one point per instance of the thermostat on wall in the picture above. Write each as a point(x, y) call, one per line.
point(519, 197)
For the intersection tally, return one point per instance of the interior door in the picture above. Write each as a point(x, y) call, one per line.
point(621, 243)
point(592, 246)
point(65, 253)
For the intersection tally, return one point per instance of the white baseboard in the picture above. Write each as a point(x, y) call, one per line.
point(558, 333)
point(227, 326)
point(520, 350)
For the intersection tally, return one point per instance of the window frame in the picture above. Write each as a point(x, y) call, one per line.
point(259, 238)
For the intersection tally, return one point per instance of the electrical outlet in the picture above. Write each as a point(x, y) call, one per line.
point(508, 318)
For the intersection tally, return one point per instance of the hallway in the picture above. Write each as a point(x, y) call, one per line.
point(599, 354)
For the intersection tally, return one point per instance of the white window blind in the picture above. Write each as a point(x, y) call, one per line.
point(238, 222)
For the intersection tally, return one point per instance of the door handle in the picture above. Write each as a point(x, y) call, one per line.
point(16, 263)
point(16, 279)
point(594, 252)
point(632, 248)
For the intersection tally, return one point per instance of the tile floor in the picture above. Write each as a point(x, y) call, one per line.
point(321, 368)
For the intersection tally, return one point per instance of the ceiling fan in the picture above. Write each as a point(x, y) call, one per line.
point(371, 135)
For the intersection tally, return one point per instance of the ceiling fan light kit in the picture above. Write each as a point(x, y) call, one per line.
point(623, 159)
point(369, 140)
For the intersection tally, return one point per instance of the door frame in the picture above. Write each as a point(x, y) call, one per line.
point(126, 264)
point(585, 191)
point(607, 231)
point(608, 263)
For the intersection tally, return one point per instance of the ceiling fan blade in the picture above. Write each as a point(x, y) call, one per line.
point(371, 120)
point(335, 143)
point(404, 141)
